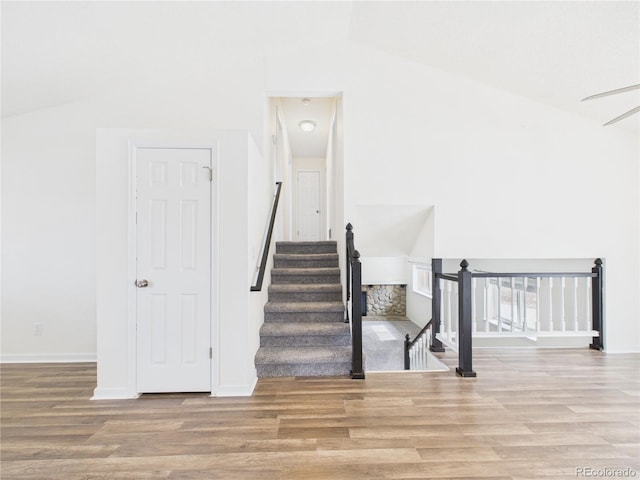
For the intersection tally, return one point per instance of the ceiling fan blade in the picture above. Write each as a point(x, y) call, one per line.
point(612, 92)
point(623, 116)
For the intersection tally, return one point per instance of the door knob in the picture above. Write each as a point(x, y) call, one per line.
point(142, 283)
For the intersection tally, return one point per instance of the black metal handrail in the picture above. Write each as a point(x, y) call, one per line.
point(408, 343)
point(354, 293)
point(464, 280)
point(267, 242)
point(447, 276)
point(420, 333)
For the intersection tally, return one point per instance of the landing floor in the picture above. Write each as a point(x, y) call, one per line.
point(383, 343)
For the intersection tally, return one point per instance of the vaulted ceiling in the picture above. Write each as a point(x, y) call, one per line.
point(554, 52)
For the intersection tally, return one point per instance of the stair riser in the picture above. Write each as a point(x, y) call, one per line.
point(305, 249)
point(305, 263)
point(305, 341)
point(304, 279)
point(283, 317)
point(304, 370)
point(305, 297)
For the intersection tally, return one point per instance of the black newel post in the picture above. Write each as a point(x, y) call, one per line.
point(349, 241)
point(407, 361)
point(356, 317)
point(597, 305)
point(436, 267)
point(465, 355)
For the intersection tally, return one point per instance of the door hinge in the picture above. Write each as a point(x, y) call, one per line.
point(210, 173)
point(210, 352)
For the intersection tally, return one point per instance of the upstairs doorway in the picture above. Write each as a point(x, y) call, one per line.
point(307, 206)
point(306, 152)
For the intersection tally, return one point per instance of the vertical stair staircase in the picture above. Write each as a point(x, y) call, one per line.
point(304, 333)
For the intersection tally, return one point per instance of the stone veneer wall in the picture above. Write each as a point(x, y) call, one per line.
point(386, 299)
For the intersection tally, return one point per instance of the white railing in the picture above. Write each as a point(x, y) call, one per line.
point(525, 307)
point(417, 354)
point(516, 305)
point(449, 318)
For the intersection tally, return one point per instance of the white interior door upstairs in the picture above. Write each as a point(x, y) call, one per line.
point(173, 269)
point(308, 205)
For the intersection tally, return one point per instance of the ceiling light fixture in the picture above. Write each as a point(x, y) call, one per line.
point(307, 125)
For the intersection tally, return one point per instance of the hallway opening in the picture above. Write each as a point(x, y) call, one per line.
point(306, 151)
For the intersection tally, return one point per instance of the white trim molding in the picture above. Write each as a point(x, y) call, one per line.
point(101, 393)
point(135, 143)
point(235, 390)
point(49, 358)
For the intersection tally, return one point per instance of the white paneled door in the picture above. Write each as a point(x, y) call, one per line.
point(173, 269)
point(308, 205)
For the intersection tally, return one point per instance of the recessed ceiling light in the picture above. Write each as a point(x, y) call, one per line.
point(307, 125)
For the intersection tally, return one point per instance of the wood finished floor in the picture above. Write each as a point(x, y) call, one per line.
point(528, 415)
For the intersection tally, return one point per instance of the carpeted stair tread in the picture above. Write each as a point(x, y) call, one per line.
point(309, 260)
point(303, 307)
point(305, 355)
point(305, 287)
point(307, 329)
point(285, 243)
point(305, 275)
point(297, 317)
point(314, 292)
point(330, 246)
point(306, 271)
point(289, 334)
point(305, 256)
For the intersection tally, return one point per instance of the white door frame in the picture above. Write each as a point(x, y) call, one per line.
point(297, 168)
point(131, 363)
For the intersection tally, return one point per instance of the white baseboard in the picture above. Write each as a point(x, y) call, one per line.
point(49, 358)
point(235, 390)
point(101, 393)
point(621, 351)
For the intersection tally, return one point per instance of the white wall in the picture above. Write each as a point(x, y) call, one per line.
point(261, 196)
point(241, 211)
point(384, 270)
point(509, 177)
point(338, 226)
point(329, 162)
point(386, 235)
point(419, 306)
point(48, 218)
point(282, 159)
point(48, 190)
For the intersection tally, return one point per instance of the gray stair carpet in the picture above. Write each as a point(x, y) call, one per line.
point(304, 333)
